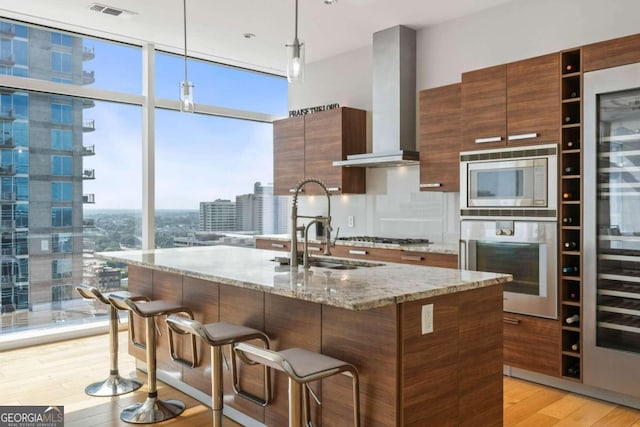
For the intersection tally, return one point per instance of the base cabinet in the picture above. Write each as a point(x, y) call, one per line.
point(431, 259)
point(532, 343)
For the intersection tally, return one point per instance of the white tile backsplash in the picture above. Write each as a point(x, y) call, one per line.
point(392, 207)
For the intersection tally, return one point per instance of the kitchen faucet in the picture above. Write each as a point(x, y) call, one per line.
point(326, 220)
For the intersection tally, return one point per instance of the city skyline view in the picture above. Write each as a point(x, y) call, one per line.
point(72, 165)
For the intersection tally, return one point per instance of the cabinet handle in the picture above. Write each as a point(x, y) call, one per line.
point(293, 190)
point(431, 185)
point(277, 245)
point(357, 252)
point(411, 258)
point(314, 248)
point(490, 139)
point(333, 189)
point(522, 136)
point(511, 320)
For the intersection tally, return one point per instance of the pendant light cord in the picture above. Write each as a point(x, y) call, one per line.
point(184, 15)
point(296, 24)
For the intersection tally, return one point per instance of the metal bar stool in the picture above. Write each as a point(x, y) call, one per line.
point(218, 335)
point(302, 367)
point(114, 385)
point(154, 410)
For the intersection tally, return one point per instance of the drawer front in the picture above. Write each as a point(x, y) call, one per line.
point(532, 343)
point(273, 245)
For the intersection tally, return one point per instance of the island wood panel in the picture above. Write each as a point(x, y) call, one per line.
point(369, 340)
point(140, 282)
point(532, 343)
point(533, 99)
point(480, 357)
point(330, 136)
point(203, 298)
point(288, 149)
point(611, 53)
point(243, 307)
point(430, 364)
point(440, 137)
point(167, 287)
point(484, 107)
point(291, 323)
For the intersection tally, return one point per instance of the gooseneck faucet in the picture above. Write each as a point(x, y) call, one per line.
point(326, 220)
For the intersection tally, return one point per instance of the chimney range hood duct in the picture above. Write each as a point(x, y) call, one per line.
point(394, 101)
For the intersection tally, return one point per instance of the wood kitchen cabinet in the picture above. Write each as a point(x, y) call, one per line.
point(611, 53)
point(512, 104)
point(532, 343)
point(288, 154)
point(307, 146)
point(484, 108)
point(440, 136)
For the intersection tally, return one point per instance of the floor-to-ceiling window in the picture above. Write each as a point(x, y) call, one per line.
point(71, 161)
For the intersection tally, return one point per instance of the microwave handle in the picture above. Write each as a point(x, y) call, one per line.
point(462, 252)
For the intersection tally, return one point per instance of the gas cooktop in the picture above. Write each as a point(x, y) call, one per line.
point(388, 240)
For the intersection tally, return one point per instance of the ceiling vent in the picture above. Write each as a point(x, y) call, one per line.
point(108, 10)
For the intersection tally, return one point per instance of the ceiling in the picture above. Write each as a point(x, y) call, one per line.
point(215, 28)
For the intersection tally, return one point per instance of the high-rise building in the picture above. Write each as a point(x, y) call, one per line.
point(219, 215)
point(261, 212)
point(41, 169)
point(254, 212)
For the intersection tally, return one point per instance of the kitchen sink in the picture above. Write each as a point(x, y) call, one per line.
point(331, 263)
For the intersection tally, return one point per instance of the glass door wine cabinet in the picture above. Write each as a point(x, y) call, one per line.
point(611, 220)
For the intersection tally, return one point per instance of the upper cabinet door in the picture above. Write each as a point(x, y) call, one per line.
point(484, 113)
point(323, 145)
point(288, 154)
point(533, 101)
point(440, 136)
point(330, 136)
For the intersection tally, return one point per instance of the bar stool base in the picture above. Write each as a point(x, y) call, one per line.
point(152, 410)
point(114, 385)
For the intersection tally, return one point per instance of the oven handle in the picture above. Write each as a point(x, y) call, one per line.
point(460, 252)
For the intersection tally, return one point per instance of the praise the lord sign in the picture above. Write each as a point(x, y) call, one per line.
point(309, 110)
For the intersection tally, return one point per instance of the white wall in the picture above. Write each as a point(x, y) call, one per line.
point(517, 30)
point(393, 205)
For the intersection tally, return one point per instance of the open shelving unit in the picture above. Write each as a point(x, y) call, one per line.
point(571, 217)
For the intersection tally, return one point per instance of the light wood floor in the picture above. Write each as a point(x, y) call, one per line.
point(57, 373)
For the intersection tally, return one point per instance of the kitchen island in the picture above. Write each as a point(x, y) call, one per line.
point(427, 341)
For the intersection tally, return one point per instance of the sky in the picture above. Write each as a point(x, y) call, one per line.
point(198, 158)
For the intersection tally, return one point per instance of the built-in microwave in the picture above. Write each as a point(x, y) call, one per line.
point(511, 178)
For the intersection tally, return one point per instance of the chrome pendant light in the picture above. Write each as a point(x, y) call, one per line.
point(295, 56)
point(186, 87)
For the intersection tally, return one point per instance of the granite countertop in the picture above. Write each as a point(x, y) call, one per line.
point(359, 289)
point(436, 248)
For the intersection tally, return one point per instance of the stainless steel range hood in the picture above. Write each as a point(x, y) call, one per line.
point(394, 101)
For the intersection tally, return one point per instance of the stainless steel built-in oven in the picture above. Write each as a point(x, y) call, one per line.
point(525, 249)
point(522, 177)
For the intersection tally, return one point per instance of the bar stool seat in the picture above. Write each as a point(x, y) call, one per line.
point(302, 367)
point(217, 335)
point(154, 410)
point(114, 385)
